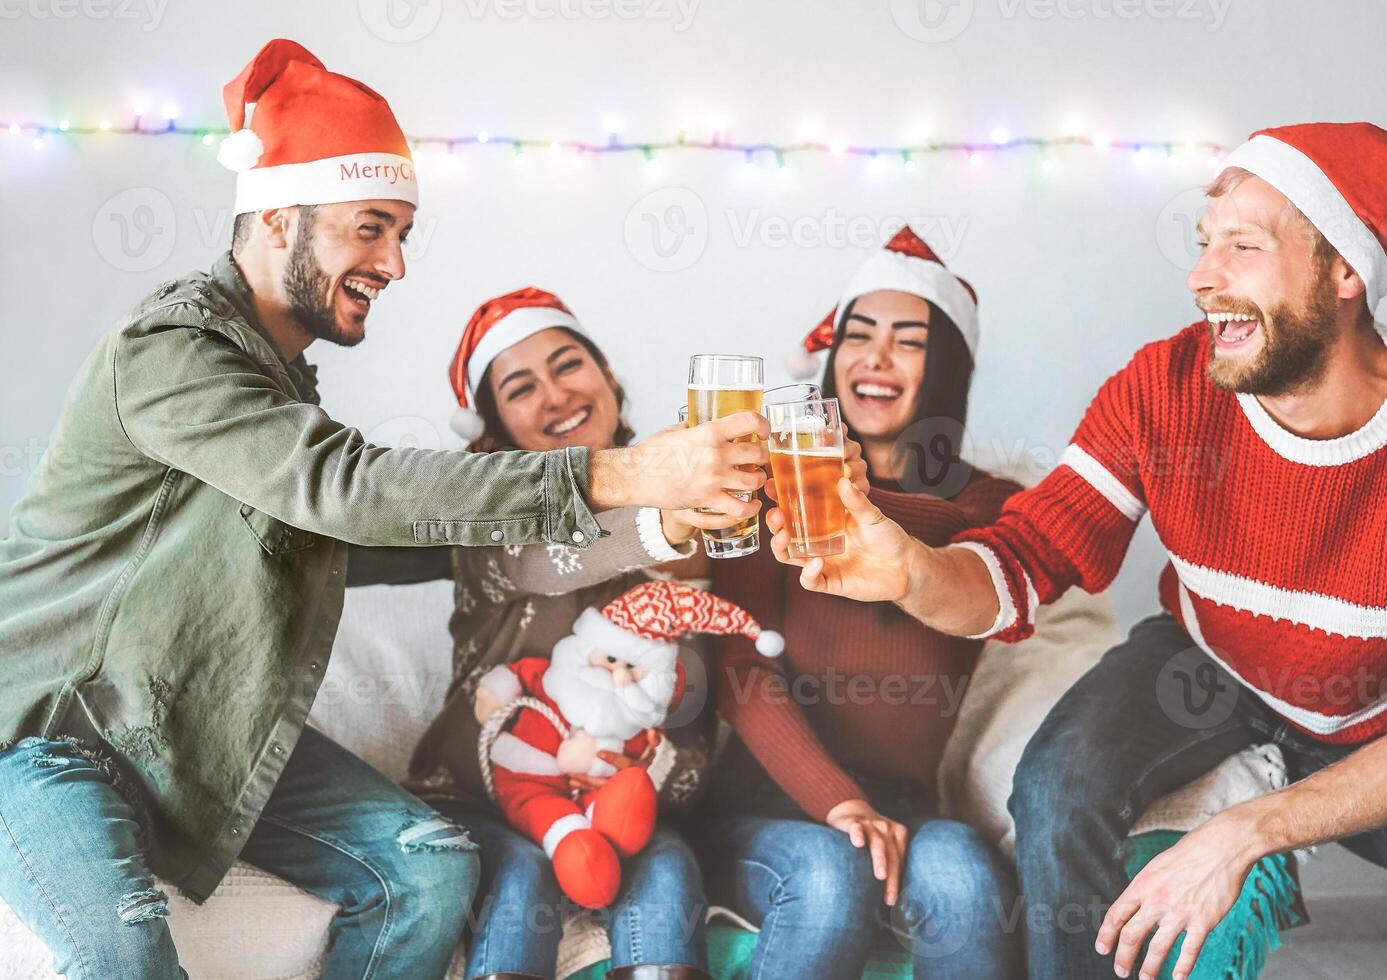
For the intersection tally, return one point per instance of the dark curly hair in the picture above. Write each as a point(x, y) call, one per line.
point(494, 436)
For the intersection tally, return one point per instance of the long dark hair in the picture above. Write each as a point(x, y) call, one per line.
point(494, 435)
point(933, 440)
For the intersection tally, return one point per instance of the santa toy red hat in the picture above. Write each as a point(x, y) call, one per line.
point(1333, 172)
point(906, 265)
point(644, 624)
point(301, 134)
point(497, 324)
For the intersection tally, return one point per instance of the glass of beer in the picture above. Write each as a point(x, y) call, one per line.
point(807, 463)
point(722, 385)
point(791, 393)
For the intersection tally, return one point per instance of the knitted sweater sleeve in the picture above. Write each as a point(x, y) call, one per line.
point(755, 694)
point(636, 540)
point(1075, 526)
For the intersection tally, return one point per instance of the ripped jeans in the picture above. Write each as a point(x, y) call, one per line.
point(72, 871)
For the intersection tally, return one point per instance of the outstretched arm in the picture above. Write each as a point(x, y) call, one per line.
point(1190, 887)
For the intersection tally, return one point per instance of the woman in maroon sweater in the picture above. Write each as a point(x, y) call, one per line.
point(824, 818)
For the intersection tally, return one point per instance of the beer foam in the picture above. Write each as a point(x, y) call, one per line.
point(701, 387)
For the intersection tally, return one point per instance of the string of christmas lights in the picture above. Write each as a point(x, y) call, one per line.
point(720, 141)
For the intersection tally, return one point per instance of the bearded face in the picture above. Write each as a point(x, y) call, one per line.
point(606, 696)
point(1296, 337)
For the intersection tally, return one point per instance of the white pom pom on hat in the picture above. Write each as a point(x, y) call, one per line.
point(240, 151)
point(802, 364)
point(770, 644)
point(466, 423)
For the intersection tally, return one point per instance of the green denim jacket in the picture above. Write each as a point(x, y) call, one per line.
point(173, 579)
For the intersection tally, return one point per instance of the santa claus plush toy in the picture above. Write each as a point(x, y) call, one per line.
point(606, 685)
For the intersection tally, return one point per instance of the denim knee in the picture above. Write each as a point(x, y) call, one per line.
point(835, 886)
point(668, 866)
point(432, 873)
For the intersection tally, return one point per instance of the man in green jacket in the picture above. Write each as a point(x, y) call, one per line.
point(172, 582)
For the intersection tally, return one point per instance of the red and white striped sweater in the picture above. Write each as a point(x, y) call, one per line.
point(1278, 544)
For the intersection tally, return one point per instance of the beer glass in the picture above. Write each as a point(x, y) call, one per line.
point(807, 462)
point(722, 385)
point(791, 393)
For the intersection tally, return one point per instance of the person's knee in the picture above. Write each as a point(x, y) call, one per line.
point(668, 865)
point(952, 869)
point(137, 943)
point(835, 885)
point(434, 873)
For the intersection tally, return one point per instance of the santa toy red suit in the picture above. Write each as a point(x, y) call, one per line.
point(606, 686)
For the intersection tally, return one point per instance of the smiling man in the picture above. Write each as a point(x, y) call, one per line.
point(172, 581)
point(1257, 440)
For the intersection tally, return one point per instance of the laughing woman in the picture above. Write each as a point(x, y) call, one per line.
point(824, 825)
point(534, 378)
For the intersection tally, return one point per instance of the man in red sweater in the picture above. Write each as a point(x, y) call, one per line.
point(1255, 437)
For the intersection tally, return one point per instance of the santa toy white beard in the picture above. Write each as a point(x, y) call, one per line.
point(588, 699)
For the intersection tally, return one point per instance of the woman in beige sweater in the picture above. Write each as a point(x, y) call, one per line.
point(536, 381)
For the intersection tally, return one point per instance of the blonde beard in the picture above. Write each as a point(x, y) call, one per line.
point(589, 700)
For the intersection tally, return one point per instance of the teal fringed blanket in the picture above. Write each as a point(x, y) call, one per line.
point(1237, 949)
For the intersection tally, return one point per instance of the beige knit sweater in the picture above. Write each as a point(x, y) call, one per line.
point(513, 602)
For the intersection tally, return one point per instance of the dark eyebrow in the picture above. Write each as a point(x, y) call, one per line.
point(906, 324)
point(864, 319)
point(516, 374)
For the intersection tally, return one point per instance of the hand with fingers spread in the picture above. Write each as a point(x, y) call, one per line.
point(684, 468)
point(1188, 888)
point(884, 838)
point(875, 566)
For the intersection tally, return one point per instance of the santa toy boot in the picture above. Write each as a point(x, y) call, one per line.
point(623, 810)
point(587, 868)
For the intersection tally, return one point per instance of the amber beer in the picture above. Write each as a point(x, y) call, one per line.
point(807, 463)
point(721, 385)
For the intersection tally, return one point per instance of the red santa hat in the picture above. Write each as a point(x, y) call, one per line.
point(905, 265)
point(496, 325)
point(1333, 172)
point(642, 626)
point(303, 135)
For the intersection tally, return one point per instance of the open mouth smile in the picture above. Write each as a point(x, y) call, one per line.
point(360, 294)
point(1233, 331)
point(876, 395)
point(564, 427)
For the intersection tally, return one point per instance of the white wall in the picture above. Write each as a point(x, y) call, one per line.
point(1075, 268)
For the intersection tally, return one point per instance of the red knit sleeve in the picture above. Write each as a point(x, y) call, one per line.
point(934, 520)
point(1074, 528)
point(754, 692)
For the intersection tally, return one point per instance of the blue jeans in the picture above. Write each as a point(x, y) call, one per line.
point(820, 909)
point(658, 917)
point(72, 869)
point(1153, 714)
